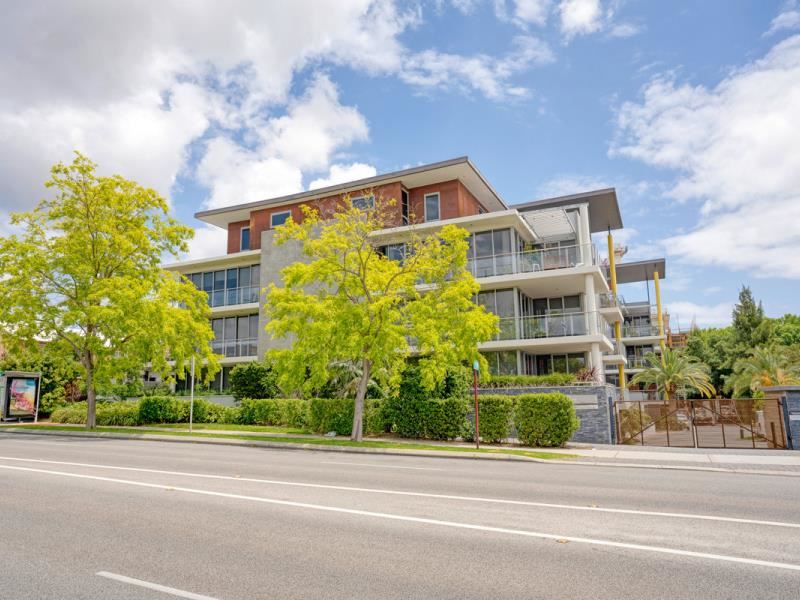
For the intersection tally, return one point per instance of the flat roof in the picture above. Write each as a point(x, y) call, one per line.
point(603, 207)
point(460, 168)
point(641, 270)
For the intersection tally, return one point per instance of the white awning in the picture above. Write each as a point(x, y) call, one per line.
point(553, 223)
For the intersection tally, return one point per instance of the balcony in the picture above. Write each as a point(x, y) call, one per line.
point(235, 348)
point(533, 261)
point(233, 296)
point(552, 325)
point(637, 362)
point(609, 300)
point(633, 331)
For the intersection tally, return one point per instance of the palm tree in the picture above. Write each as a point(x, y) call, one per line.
point(674, 371)
point(764, 367)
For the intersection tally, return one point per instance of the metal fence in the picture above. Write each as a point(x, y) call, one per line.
point(714, 423)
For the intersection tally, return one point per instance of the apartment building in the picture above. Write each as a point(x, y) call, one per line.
point(537, 266)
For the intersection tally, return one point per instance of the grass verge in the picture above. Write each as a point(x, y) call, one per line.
point(310, 440)
point(232, 427)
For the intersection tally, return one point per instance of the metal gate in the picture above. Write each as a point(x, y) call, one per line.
point(715, 423)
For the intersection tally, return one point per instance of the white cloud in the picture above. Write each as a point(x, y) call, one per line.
point(788, 19)
point(624, 30)
point(208, 241)
point(704, 315)
point(344, 173)
point(489, 75)
point(735, 149)
point(580, 17)
point(532, 11)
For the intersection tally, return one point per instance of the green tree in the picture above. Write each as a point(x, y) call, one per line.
point(255, 380)
point(85, 270)
point(673, 372)
point(714, 347)
point(748, 324)
point(764, 367)
point(349, 302)
point(787, 330)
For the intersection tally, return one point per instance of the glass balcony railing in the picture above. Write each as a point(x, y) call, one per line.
point(233, 296)
point(548, 326)
point(609, 300)
point(643, 330)
point(234, 348)
point(531, 261)
point(637, 362)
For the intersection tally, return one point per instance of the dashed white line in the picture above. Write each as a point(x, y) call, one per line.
point(423, 521)
point(355, 464)
point(455, 497)
point(154, 586)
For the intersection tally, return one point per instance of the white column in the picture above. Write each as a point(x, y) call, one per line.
point(590, 305)
point(584, 235)
point(596, 359)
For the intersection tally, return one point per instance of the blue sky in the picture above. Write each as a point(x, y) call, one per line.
point(690, 109)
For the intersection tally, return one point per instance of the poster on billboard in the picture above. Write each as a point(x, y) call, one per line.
point(21, 397)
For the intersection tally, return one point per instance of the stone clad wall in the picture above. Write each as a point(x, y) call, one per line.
point(593, 404)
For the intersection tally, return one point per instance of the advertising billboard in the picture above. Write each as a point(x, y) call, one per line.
point(21, 396)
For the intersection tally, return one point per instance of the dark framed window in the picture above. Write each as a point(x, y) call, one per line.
point(432, 207)
point(279, 218)
point(363, 202)
point(244, 238)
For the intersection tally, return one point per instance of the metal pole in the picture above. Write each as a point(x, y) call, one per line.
point(477, 414)
point(191, 399)
point(38, 395)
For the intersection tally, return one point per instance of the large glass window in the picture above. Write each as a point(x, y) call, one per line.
point(235, 336)
point(502, 363)
point(363, 202)
point(559, 363)
point(230, 286)
point(432, 207)
point(279, 218)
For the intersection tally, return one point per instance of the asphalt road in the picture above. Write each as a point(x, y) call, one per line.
point(99, 518)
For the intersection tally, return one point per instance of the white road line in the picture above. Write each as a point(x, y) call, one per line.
point(154, 586)
point(355, 464)
point(424, 521)
point(322, 486)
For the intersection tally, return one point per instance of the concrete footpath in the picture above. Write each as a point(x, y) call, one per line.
point(767, 462)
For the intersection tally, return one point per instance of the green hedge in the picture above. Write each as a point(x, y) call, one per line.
point(506, 381)
point(164, 409)
point(545, 419)
point(107, 413)
point(433, 418)
point(336, 414)
point(292, 413)
point(497, 415)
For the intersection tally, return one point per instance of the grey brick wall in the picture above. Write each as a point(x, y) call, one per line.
point(593, 405)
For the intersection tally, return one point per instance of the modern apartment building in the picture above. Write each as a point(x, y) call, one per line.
point(537, 266)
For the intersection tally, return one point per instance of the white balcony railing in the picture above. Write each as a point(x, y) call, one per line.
point(629, 330)
point(235, 348)
point(232, 296)
point(548, 326)
point(531, 261)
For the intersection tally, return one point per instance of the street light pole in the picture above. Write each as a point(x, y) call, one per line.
point(475, 369)
point(191, 398)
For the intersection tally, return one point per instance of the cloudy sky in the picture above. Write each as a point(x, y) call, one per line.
point(690, 109)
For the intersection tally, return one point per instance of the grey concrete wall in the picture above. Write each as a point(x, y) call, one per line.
point(593, 405)
point(792, 399)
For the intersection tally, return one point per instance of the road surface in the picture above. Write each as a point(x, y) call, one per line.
point(101, 518)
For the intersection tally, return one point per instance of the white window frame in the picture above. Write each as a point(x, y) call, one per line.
point(273, 215)
point(241, 239)
point(438, 205)
point(370, 197)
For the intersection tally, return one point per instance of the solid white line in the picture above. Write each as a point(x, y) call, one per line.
point(154, 586)
point(623, 511)
point(355, 464)
point(438, 522)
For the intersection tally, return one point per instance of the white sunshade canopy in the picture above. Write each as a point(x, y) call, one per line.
point(553, 223)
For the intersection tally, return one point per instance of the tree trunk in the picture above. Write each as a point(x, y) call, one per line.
point(361, 394)
point(91, 397)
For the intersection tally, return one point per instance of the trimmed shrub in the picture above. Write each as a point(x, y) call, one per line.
point(254, 380)
point(456, 383)
point(439, 419)
point(497, 414)
point(163, 409)
point(73, 414)
point(505, 381)
point(125, 414)
point(545, 419)
point(292, 413)
point(336, 414)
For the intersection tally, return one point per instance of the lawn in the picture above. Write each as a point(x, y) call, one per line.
point(238, 434)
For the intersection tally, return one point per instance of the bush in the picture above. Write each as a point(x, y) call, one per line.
point(497, 414)
point(336, 414)
point(439, 419)
point(506, 381)
point(292, 413)
point(73, 414)
point(254, 380)
point(124, 414)
point(456, 383)
point(545, 419)
point(163, 409)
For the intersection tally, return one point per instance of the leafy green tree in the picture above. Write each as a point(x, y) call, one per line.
point(748, 324)
point(713, 347)
point(254, 380)
point(85, 270)
point(673, 372)
point(787, 330)
point(349, 302)
point(764, 367)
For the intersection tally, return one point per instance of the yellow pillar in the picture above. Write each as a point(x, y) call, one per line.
point(612, 269)
point(660, 311)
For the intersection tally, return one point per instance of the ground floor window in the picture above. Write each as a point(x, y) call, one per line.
point(543, 364)
point(502, 363)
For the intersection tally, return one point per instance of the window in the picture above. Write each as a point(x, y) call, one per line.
point(279, 218)
point(432, 207)
point(363, 202)
point(229, 287)
point(244, 238)
point(404, 205)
